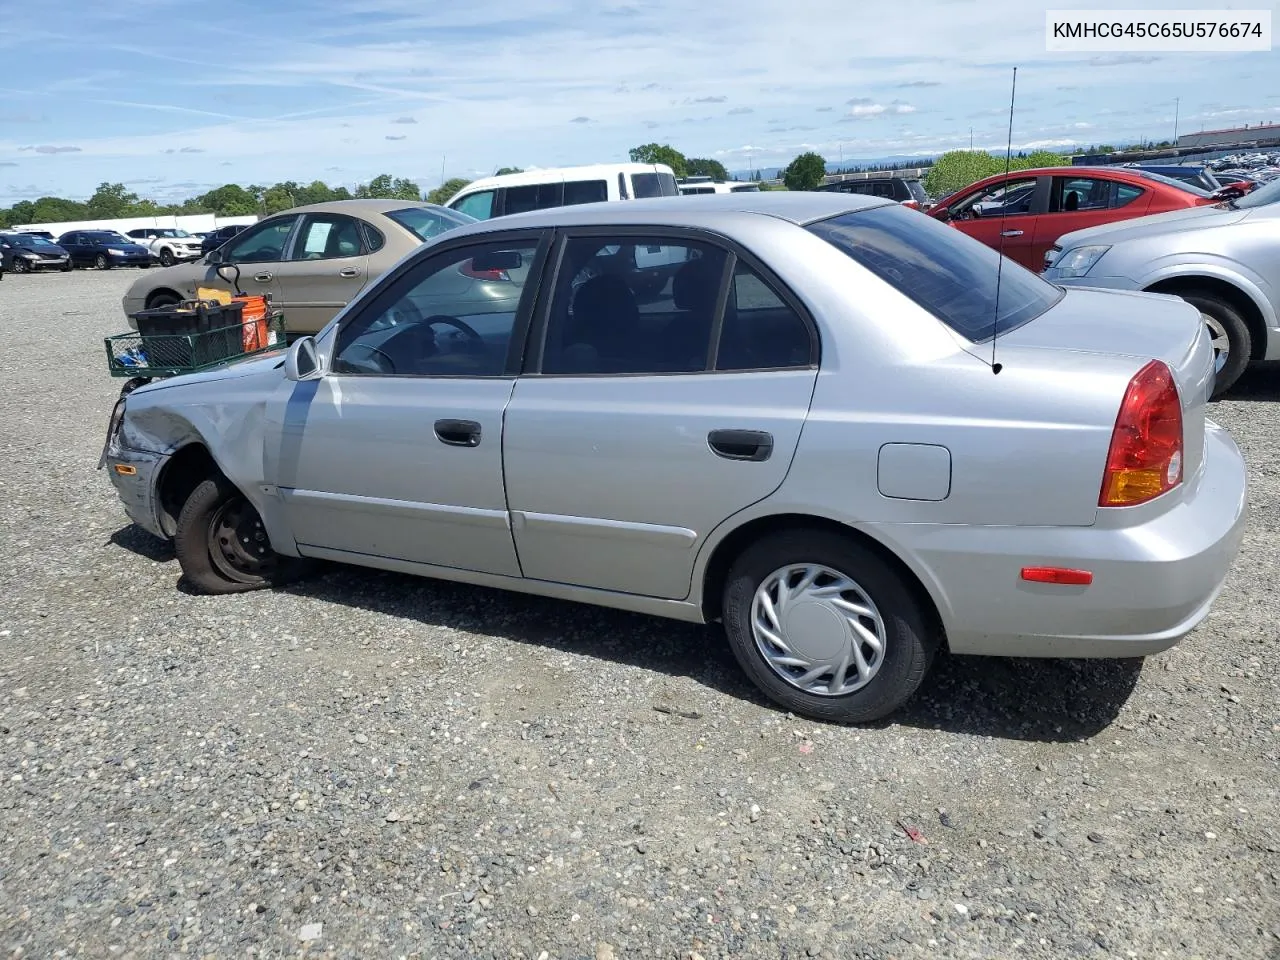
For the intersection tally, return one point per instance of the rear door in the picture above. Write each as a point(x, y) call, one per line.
point(1079, 202)
point(1003, 216)
point(325, 266)
point(644, 423)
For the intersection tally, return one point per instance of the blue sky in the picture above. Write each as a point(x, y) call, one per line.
point(173, 96)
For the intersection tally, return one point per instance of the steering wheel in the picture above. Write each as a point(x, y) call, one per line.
point(385, 365)
point(460, 325)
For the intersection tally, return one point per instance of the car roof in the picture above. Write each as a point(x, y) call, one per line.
point(355, 207)
point(543, 175)
point(693, 210)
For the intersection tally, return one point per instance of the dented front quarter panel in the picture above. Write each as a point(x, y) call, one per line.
point(225, 410)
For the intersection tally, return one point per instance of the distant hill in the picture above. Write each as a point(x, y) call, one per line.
point(833, 166)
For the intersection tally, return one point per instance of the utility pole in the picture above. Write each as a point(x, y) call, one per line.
point(971, 138)
point(443, 157)
point(1176, 101)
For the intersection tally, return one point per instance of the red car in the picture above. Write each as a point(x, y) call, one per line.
point(1031, 209)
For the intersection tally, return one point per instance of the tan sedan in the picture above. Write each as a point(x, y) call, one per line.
point(313, 260)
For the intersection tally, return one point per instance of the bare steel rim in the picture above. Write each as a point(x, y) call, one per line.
point(238, 544)
point(818, 629)
point(1219, 340)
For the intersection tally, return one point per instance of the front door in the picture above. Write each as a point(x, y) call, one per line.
point(256, 253)
point(631, 439)
point(325, 267)
point(396, 452)
point(1003, 216)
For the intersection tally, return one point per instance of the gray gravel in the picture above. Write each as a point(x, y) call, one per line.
point(375, 765)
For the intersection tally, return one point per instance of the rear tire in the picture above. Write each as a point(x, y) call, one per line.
point(221, 544)
point(823, 623)
point(1224, 321)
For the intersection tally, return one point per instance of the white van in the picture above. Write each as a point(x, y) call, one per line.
point(694, 185)
point(559, 187)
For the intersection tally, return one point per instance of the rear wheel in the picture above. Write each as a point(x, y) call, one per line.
point(101, 262)
point(222, 546)
point(825, 628)
point(1232, 343)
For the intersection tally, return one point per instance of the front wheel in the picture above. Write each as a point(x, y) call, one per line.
point(825, 628)
point(166, 257)
point(222, 546)
point(1229, 335)
point(20, 265)
point(101, 262)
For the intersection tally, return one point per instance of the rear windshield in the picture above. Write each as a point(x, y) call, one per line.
point(1171, 182)
point(917, 190)
point(654, 185)
point(944, 271)
point(425, 224)
point(1260, 196)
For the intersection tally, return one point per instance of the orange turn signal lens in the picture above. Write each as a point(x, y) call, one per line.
point(125, 470)
point(1059, 575)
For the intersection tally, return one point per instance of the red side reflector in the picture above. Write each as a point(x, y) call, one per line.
point(1062, 575)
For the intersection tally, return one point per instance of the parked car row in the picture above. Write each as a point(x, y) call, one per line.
point(28, 251)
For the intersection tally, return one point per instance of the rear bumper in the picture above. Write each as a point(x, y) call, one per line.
point(1154, 581)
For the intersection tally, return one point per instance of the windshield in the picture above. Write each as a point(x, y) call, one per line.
point(1170, 181)
point(26, 240)
point(944, 271)
point(425, 224)
point(1260, 196)
point(169, 233)
point(107, 235)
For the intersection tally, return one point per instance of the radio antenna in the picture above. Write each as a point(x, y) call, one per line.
point(1004, 212)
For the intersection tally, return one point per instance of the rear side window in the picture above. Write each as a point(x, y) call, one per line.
point(941, 269)
point(478, 205)
point(654, 185)
point(760, 330)
point(535, 196)
point(585, 191)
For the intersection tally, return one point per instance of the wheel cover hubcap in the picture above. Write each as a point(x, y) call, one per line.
point(238, 544)
point(818, 629)
point(1219, 340)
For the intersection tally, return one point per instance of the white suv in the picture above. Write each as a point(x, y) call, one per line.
point(169, 245)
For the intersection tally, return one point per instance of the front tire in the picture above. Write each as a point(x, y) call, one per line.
point(825, 628)
point(222, 546)
point(101, 262)
point(21, 266)
point(166, 257)
point(163, 300)
point(1232, 342)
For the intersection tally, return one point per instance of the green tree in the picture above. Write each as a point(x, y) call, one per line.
point(21, 212)
point(58, 210)
point(443, 193)
point(230, 200)
point(109, 201)
point(959, 168)
point(661, 153)
point(805, 172)
point(1044, 158)
point(278, 198)
point(698, 167)
point(386, 187)
point(503, 171)
point(317, 191)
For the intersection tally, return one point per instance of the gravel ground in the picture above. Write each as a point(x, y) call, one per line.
point(376, 765)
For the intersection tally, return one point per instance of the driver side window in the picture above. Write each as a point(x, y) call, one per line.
point(1009, 198)
point(452, 314)
point(263, 243)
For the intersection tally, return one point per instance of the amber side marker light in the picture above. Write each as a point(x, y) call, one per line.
point(125, 470)
point(1059, 575)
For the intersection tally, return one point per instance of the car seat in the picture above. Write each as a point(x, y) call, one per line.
point(600, 337)
point(1072, 201)
point(695, 290)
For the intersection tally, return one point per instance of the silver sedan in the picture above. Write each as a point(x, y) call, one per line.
point(801, 436)
point(1222, 259)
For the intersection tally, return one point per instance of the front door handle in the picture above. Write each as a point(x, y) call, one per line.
point(752, 445)
point(458, 433)
point(1010, 233)
point(349, 272)
point(262, 277)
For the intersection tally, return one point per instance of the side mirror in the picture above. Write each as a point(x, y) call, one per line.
point(302, 362)
point(944, 214)
point(215, 256)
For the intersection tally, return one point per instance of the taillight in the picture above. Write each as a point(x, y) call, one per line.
point(1145, 459)
point(468, 269)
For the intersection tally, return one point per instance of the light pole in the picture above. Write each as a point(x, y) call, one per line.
point(1176, 101)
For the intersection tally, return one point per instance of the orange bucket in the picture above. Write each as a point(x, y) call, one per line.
point(254, 317)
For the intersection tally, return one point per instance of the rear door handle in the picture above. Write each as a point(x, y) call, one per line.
point(751, 445)
point(458, 433)
point(262, 277)
point(349, 272)
point(1010, 233)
